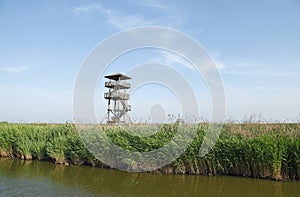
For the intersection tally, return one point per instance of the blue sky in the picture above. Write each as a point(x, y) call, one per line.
point(256, 45)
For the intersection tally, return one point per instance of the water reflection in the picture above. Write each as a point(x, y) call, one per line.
point(44, 178)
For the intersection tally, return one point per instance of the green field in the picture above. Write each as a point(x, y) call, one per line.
point(250, 150)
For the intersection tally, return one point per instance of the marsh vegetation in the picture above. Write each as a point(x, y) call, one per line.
point(249, 150)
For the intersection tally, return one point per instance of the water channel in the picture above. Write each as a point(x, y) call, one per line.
point(41, 178)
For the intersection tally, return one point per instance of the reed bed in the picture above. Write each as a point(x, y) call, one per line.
point(250, 150)
point(58, 143)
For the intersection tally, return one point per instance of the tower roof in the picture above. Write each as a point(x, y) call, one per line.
point(117, 76)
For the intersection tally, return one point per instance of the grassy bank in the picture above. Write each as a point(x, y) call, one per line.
point(250, 150)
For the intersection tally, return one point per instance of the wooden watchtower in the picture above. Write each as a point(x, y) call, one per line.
point(117, 98)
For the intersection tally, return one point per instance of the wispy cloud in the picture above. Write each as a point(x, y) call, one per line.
point(154, 4)
point(245, 65)
point(13, 69)
point(216, 55)
point(123, 21)
point(263, 73)
point(167, 16)
point(169, 58)
point(87, 8)
point(117, 19)
point(220, 65)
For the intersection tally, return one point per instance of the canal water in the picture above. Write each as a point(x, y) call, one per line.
point(39, 178)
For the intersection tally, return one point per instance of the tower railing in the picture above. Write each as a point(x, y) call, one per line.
point(117, 98)
point(121, 85)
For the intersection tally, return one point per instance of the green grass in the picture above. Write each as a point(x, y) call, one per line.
point(59, 143)
point(249, 150)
